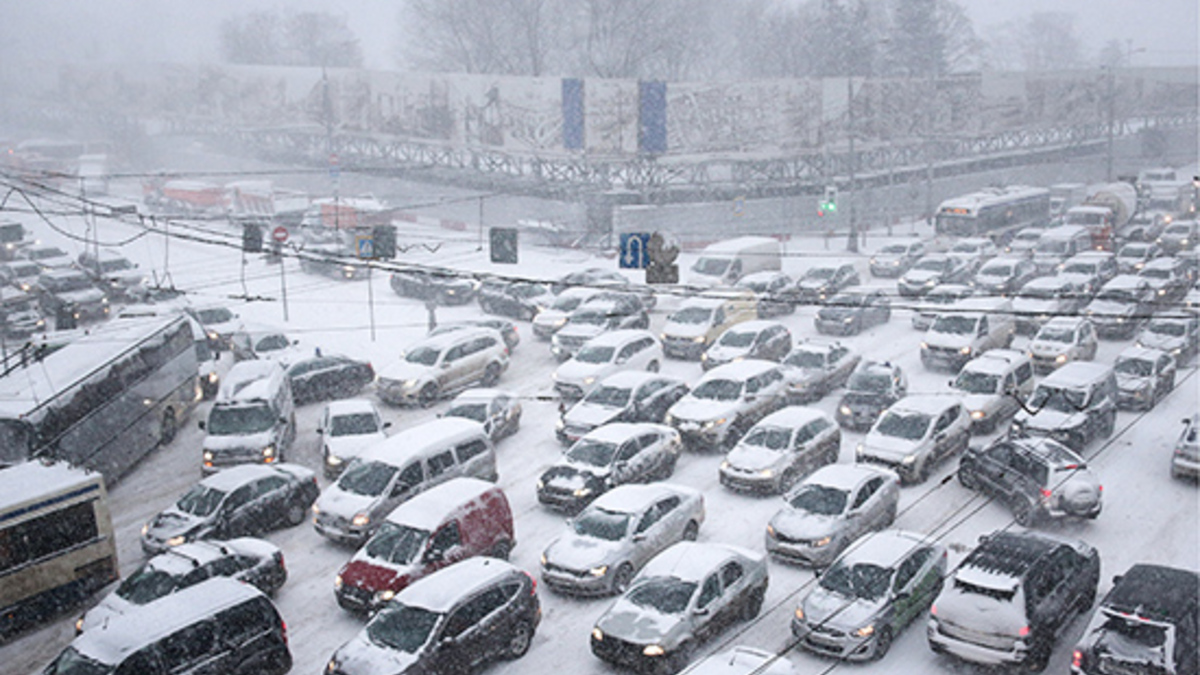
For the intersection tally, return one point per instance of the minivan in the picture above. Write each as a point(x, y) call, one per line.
point(700, 320)
point(1073, 405)
point(397, 469)
point(723, 263)
point(1057, 244)
point(459, 519)
point(253, 419)
point(217, 626)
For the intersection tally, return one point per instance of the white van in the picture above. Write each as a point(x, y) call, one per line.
point(723, 263)
point(1058, 244)
point(253, 419)
point(394, 470)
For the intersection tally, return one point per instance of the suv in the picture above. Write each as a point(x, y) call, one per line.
point(1038, 478)
point(347, 428)
point(895, 259)
point(1002, 276)
point(1073, 405)
point(768, 340)
point(1044, 298)
point(1061, 340)
point(916, 433)
point(253, 419)
point(69, 296)
point(993, 386)
point(726, 402)
point(1121, 306)
point(1146, 623)
point(442, 364)
point(603, 355)
point(872, 387)
point(596, 317)
point(625, 396)
point(453, 620)
point(1011, 597)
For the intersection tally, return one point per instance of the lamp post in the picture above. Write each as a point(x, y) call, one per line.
point(852, 238)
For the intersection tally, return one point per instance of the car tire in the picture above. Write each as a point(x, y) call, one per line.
point(169, 427)
point(753, 604)
point(653, 366)
point(621, 578)
point(967, 479)
point(519, 641)
point(501, 550)
point(1038, 656)
point(294, 514)
point(428, 395)
point(691, 531)
point(679, 659)
point(491, 375)
point(882, 643)
point(1024, 513)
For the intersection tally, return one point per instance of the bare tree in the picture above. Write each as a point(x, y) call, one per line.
point(291, 38)
point(512, 37)
point(1048, 42)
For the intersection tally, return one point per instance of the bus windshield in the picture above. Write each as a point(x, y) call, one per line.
point(236, 420)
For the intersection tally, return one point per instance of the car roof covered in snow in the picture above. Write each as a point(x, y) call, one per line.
point(792, 416)
point(635, 378)
point(1155, 592)
point(439, 591)
point(422, 439)
point(846, 476)
point(634, 497)
point(739, 370)
point(692, 561)
point(1064, 323)
point(430, 508)
point(449, 338)
point(993, 363)
point(1048, 283)
point(885, 549)
point(1076, 374)
point(929, 404)
point(248, 380)
point(755, 326)
point(229, 479)
point(1134, 352)
point(350, 406)
point(1125, 281)
point(619, 432)
point(615, 338)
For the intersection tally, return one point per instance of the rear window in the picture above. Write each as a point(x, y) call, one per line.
point(471, 449)
point(994, 593)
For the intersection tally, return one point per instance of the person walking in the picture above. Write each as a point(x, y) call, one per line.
point(431, 308)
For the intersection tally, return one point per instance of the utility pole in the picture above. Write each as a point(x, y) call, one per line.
point(1111, 114)
point(852, 239)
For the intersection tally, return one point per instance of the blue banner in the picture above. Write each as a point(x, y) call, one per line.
point(572, 113)
point(652, 117)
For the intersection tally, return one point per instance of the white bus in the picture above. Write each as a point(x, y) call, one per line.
point(56, 541)
point(102, 401)
point(996, 213)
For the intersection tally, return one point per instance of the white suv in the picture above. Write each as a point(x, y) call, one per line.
point(442, 364)
point(726, 402)
point(629, 349)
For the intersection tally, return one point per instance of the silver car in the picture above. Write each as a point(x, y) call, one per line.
point(497, 410)
point(781, 449)
point(681, 597)
point(615, 535)
point(870, 594)
point(831, 508)
point(611, 455)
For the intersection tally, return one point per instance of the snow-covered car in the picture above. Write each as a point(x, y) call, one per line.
point(916, 433)
point(776, 292)
point(931, 270)
point(347, 428)
point(624, 396)
point(113, 272)
point(1089, 269)
point(607, 280)
point(822, 282)
point(246, 559)
point(1144, 377)
point(444, 287)
point(967, 329)
point(1121, 306)
point(1073, 405)
point(1179, 336)
point(611, 539)
point(603, 355)
point(681, 598)
point(608, 456)
point(1180, 235)
point(68, 295)
point(863, 601)
point(1024, 241)
point(326, 376)
point(1061, 340)
point(594, 318)
point(550, 319)
point(504, 327)
point(781, 449)
point(265, 342)
point(759, 339)
point(21, 317)
point(220, 324)
point(20, 274)
point(1132, 257)
point(1168, 278)
point(741, 660)
point(974, 251)
point(993, 386)
point(852, 311)
point(497, 410)
point(829, 510)
point(1004, 275)
point(816, 367)
point(1039, 479)
point(726, 402)
point(935, 301)
point(871, 389)
point(439, 365)
point(1044, 298)
point(895, 259)
point(516, 299)
point(46, 256)
point(1185, 461)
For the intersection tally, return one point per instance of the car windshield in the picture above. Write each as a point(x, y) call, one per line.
point(592, 452)
point(214, 315)
point(590, 318)
point(146, 584)
point(691, 315)
point(996, 271)
point(1039, 293)
point(402, 627)
point(353, 424)
point(863, 580)
point(965, 248)
point(235, 420)
point(1135, 367)
point(1120, 295)
point(71, 662)
point(527, 290)
point(566, 303)
point(610, 397)
point(931, 265)
point(894, 249)
point(736, 338)
point(1156, 273)
point(1170, 328)
point(1133, 252)
point(718, 390)
point(806, 359)
point(397, 544)
point(45, 253)
point(366, 478)
point(821, 500)
point(201, 500)
point(820, 273)
point(598, 523)
point(1087, 269)
point(875, 383)
point(1149, 635)
point(115, 265)
point(956, 324)
point(1052, 246)
point(977, 383)
point(667, 595)
point(1056, 334)
point(595, 354)
point(909, 426)
point(1061, 400)
point(423, 356)
point(711, 266)
point(771, 438)
point(471, 411)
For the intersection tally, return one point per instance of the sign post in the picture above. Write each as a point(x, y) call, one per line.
point(280, 235)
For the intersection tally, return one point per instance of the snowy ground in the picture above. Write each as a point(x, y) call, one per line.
point(1147, 515)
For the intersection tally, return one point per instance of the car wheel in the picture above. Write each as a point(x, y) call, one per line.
point(491, 375)
point(501, 550)
point(1110, 425)
point(653, 366)
point(890, 518)
point(967, 479)
point(691, 531)
point(1038, 656)
point(166, 432)
point(754, 605)
point(622, 578)
point(295, 514)
point(882, 643)
point(519, 641)
point(428, 395)
point(678, 661)
point(1024, 514)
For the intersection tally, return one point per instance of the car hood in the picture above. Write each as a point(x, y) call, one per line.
point(1105, 307)
point(589, 414)
point(891, 447)
point(753, 457)
point(798, 375)
point(723, 353)
point(920, 276)
point(1035, 306)
point(641, 625)
point(797, 524)
point(1050, 420)
point(571, 476)
point(575, 371)
point(981, 401)
point(580, 330)
point(351, 446)
point(549, 317)
point(702, 410)
point(338, 502)
point(1166, 343)
point(407, 371)
point(1133, 382)
point(173, 523)
point(360, 656)
point(373, 574)
point(581, 553)
point(835, 610)
point(112, 605)
point(81, 297)
point(685, 330)
point(237, 441)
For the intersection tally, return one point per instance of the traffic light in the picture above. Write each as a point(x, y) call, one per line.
point(252, 238)
point(384, 241)
point(503, 242)
point(828, 205)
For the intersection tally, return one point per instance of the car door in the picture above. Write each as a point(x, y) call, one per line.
point(194, 650)
point(915, 581)
point(709, 607)
point(1056, 590)
point(864, 513)
point(464, 641)
point(271, 497)
point(239, 515)
point(652, 534)
point(1166, 374)
point(627, 463)
point(445, 547)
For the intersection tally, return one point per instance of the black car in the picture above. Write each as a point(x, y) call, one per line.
point(776, 291)
point(328, 376)
point(872, 388)
point(1039, 479)
point(1146, 624)
point(243, 500)
point(517, 299)
point(624, 396)
point(446, 287)
point(850, 312)
point(1011, 597)
point(453, 621)
point(69, 296)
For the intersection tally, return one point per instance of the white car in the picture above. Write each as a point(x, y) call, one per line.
point(497, 410)
point(1046, 297)
point(347, 428)
point(974, 251)
point(549, 320)
point(444, 363)
point(916, 433)
point(1061, 340)
point(596, 317)
point(630, 349)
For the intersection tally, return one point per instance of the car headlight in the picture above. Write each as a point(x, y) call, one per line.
point(858, 450)
point(845, 410)
point(333, 460)
point(662, 337)
point(332, 666)
point(599, 571)
point(653, 650)
point(924, 345)
point(714, 423)
point(597, 634)
point(908, 460)
point(965, 351)
point(669, 419)
point(848, 320)
point(771, 530)
point(823, 541)
point(543, 560)
point(978, 414)
point(361, 519)
point(213, 377)
point(146, 529)
point(337, 582)
point(699, 339)
point(384, 596)
point(560, 424)
point(589, 380)
point(766, 473)
point(582, 492)
point(725, 464)
point(865, 631)
point(799, 613)
point(410, 383)
point(541, 484)
point(268, 451)
point(208, 456)
point(1061, 358)
point(931, 282)
point(176, 540)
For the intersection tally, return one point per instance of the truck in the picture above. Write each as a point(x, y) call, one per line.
point(1105, 210)
point(1065, 195)
point(723, 263)
point(261, 202)
point(330, 232)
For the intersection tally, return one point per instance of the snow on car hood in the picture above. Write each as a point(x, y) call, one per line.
point(753, 457)
point(685, 330)
point(590, 414)
point(549, 318)
point(112, 605)
point(347, 447)
point(831, 609)
point(1052, 420)
point(580, 553)
point(338, 502)
point(572, 476)
point(890, 447)
point(920, 276)
point(1104, 308)
point(407, 371)
point(640, 625)
point(237, 441)
point(361, 656)
point(981, 401)
point(576, 371)
point(1132, 382)
point(1049, 347)
point(374, 574)
point(797, 524)
point(82, 296)
point(702, 410)
point(719, 352)
point(172, 523)
point(1167, 343)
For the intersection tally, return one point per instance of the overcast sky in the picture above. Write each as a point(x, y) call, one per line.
point(174, 30)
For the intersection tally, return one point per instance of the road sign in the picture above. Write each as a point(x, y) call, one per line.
point(739, 206)
point(279, 234)
point(364, 247)
point(503, 244)
point(633, 255)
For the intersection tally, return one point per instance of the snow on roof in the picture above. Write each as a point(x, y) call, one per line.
point(845, 476)
point(430, 508)
point(755, 326)
point(619, 432)
point(350, 406)
point(22, 483)
point(1134, 352)
point(632, 378)
point(436, 434)
point(439, 591)
point(743, 661)
point(731, 246)
point(228, 480)
point(884, 549)
point(615, 338)
point(1125, 281)
point(692, 561)
point(1076, 373)
point(996, 365)
point(245, 373)
point(992, 195)
point(792, 416)
point(739, 370)
point(123, 634)
point(929, 404)
point(1047, 283)
point(1164, 263)
point(634, 497)
point(1063, 322)
point(480, 395)
point(449, 338)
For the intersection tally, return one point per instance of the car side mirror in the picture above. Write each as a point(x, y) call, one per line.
point(386, 425)
point(320, 430)
point(940, 437)
point(639, 537)
point(700, 611)
point(901, 596)
point(283, 420)
point(295, 342)
point(751, 398)
point(445, 364)
point(200, 424)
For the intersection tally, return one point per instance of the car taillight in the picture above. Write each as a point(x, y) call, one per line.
point(283, 630)
point(532, 583)
point(1024, 632)
point(279, 560)
point(1046, 493)
point(1076, 659)
point(933, 610)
